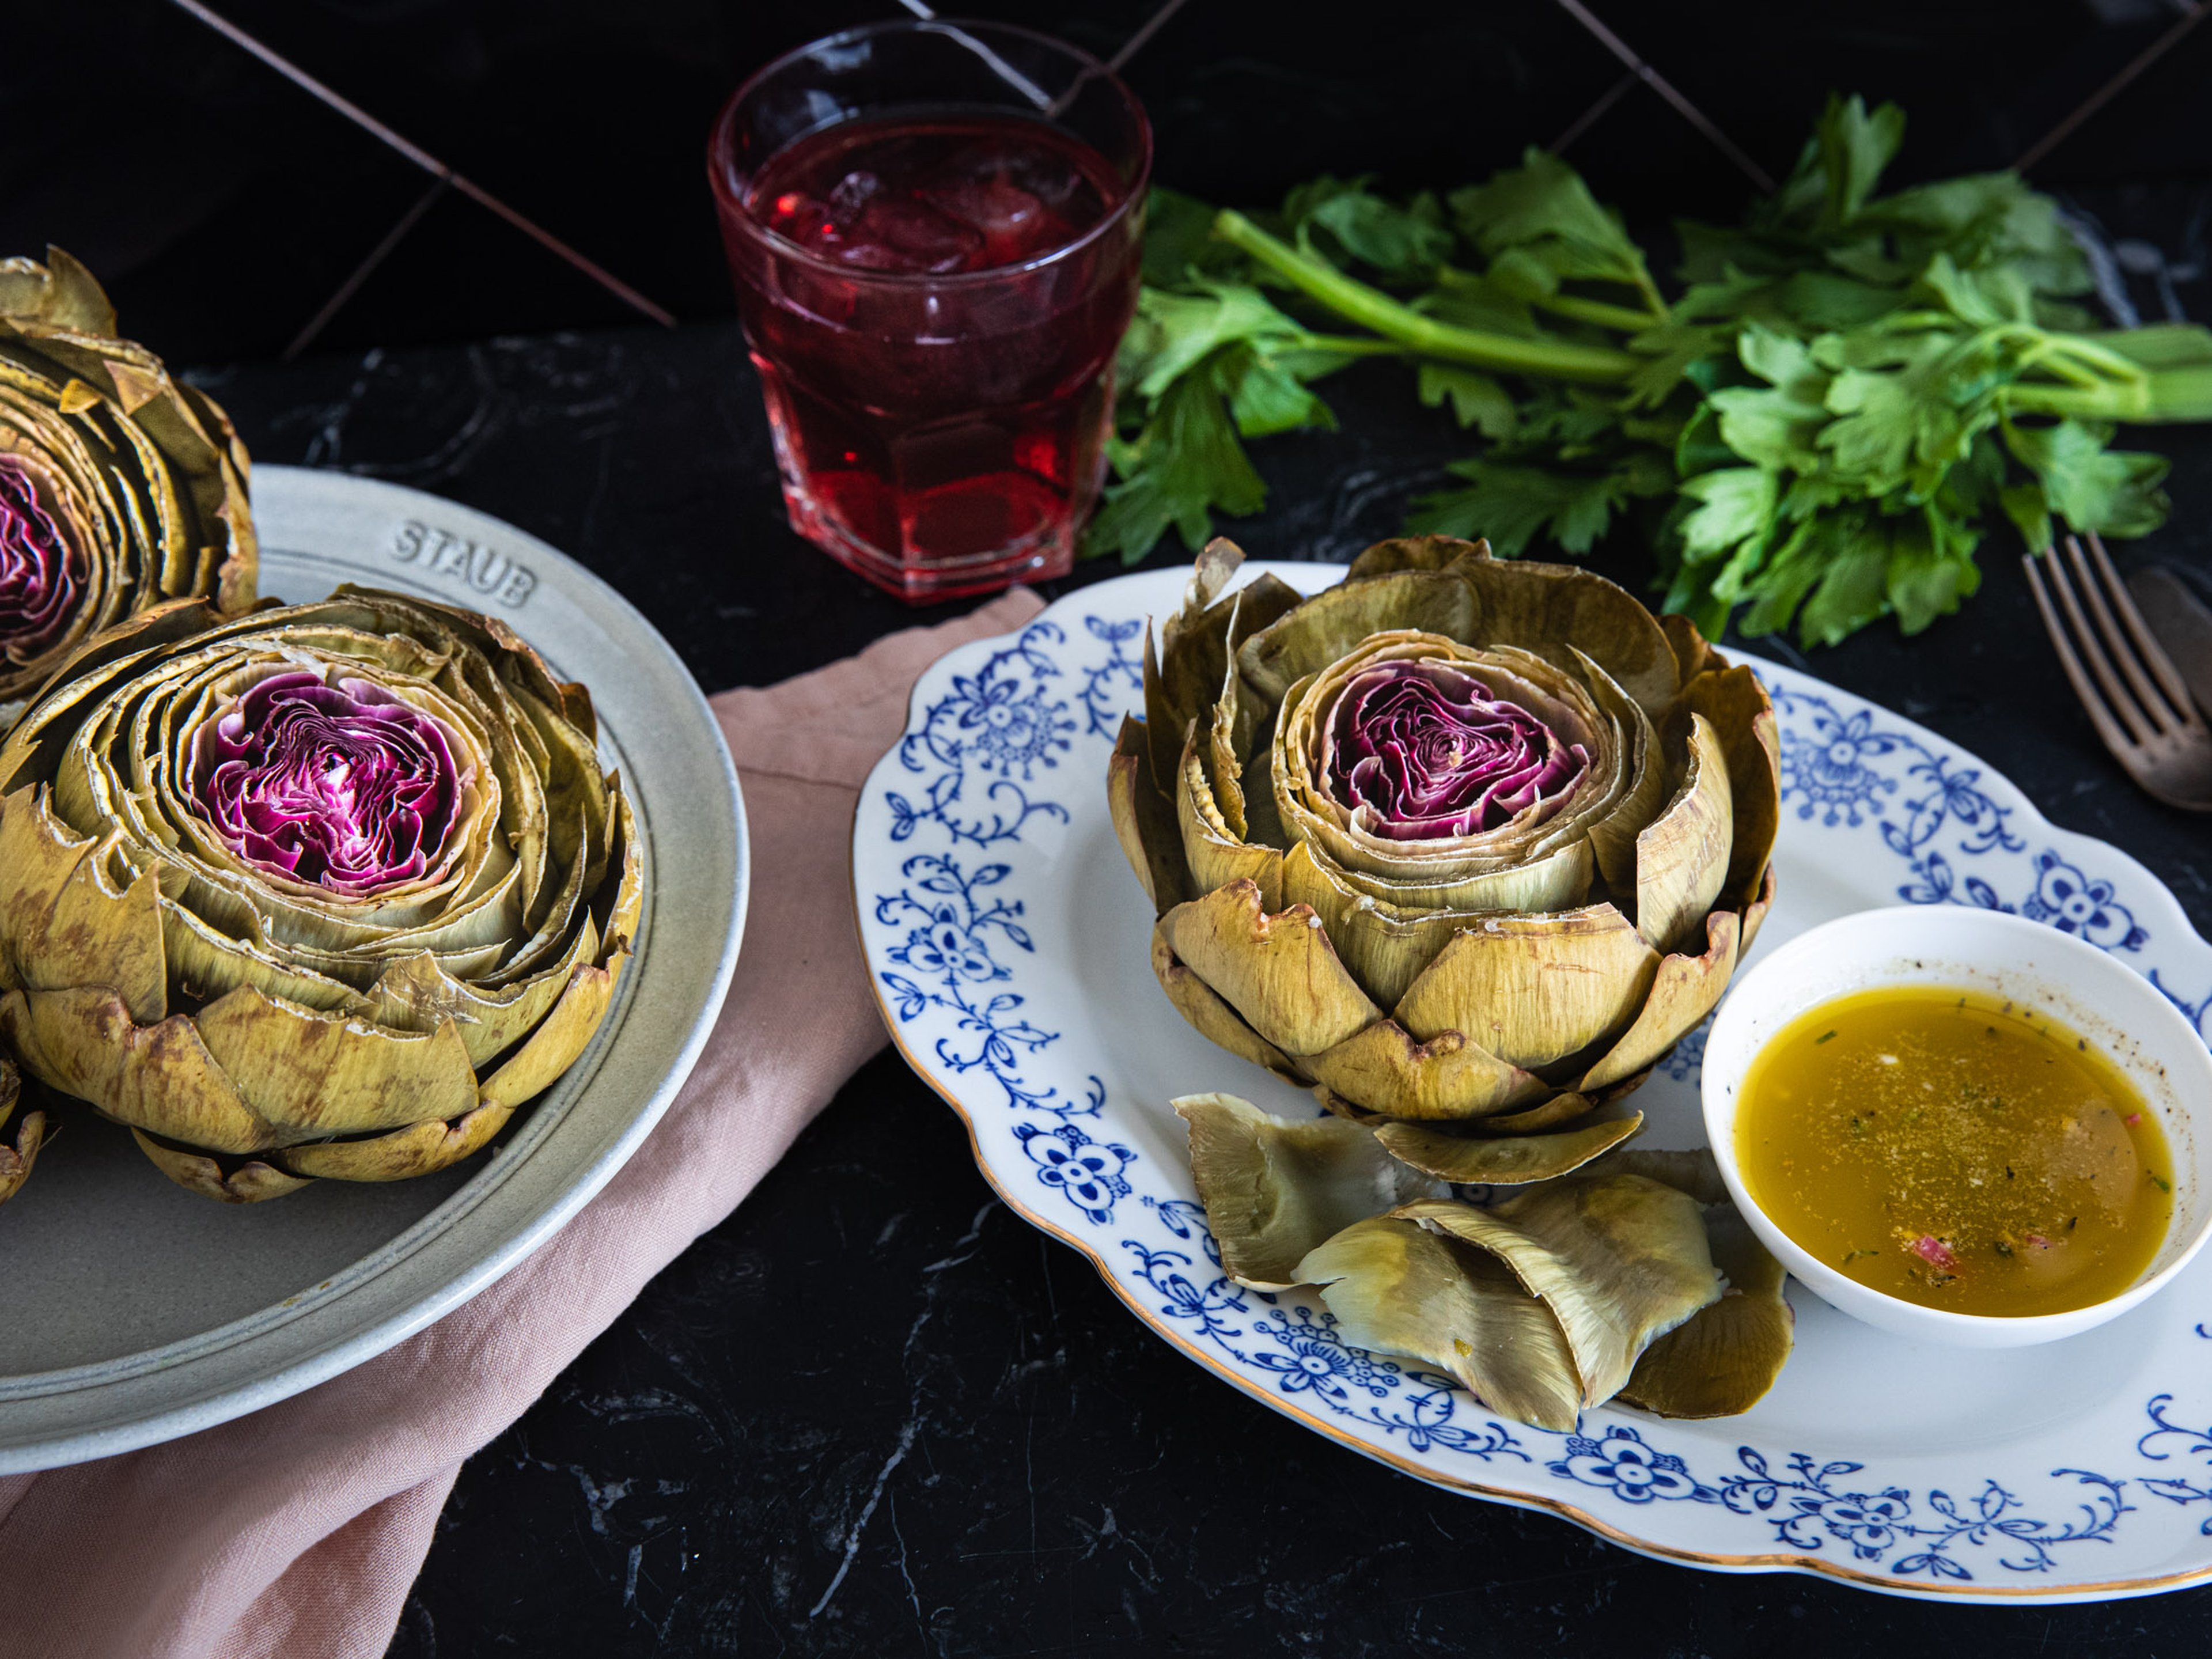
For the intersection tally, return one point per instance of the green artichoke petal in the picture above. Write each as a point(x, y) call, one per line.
point(1477, 1161)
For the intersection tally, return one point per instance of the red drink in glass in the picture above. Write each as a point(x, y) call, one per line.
point(933, 281)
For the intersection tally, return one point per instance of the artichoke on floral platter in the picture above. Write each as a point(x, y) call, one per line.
point(328, 889)
point(120, 488)
point(1467, 843)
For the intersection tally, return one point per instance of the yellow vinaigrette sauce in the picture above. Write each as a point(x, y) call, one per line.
point(1953, 1149)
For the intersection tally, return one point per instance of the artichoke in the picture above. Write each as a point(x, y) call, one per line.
point(16, 1161)
point(323, 890)
point(1469, 844)
point(120, 487)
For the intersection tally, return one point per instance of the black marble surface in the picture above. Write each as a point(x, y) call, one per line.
point(875, 1412)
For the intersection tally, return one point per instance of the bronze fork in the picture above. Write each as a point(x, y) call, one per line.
point(2135, 697)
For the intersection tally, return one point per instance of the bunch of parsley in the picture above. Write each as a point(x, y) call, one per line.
point(1820, 426)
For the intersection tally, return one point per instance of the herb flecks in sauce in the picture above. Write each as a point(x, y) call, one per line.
point(1956, 1151)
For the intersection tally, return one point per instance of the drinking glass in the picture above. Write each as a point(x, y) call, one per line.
point(934, 228)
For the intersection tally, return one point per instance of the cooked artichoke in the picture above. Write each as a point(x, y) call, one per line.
point(120, 487)
point(16, 1161)
point(1457, 839)
point(324, 891)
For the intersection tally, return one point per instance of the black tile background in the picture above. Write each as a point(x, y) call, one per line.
point(1047, 1477)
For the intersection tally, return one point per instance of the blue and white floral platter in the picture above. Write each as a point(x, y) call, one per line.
point(1007, 941)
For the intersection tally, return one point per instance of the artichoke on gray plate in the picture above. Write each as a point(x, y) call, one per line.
point(324, 891)
point(120, 486)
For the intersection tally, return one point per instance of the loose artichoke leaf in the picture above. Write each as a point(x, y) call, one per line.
point(1683, 991)
point(309, 1075)
point(1643, 792)
point(1618, 1259)
point(1383, 1070)
point(1395, 1287)
point(1414, 553)
point(1145, 820)
point(420, 1149)
point(249, 1183)
point(1533, 989)
point(1214, 858)
point(1384, 945)
point(1213, 1018)
point(1328, 626)
point(1275, 1188)
point(1473, 1161)
point(1691, 1170)
point(1742, 717)
point(1279, 970)
point(16, 1161)
point(1547, 608)
point(64, 924)
point(1682, 858)
point(160, 1077)
point(1722, 1361)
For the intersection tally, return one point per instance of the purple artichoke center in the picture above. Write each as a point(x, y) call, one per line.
point(42, 576)
point(1432, 753)
point(345, 786)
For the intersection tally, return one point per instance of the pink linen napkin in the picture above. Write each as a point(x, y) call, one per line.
point(298, 1530)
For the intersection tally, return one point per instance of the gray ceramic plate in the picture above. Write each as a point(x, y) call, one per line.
point(132, 1311)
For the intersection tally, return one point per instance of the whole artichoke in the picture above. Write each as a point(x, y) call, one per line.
point(120, 487)
point(323, 890)
point(1468, 844)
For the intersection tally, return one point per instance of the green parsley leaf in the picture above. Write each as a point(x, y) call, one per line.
point(1476, 399)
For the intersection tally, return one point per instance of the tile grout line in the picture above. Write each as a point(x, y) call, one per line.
point(2193, 12)
point(1659, 83)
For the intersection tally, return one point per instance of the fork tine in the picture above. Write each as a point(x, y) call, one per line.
point(2153, 654)
point(2124, 651)
point(2116, 700)
point(2108, 729)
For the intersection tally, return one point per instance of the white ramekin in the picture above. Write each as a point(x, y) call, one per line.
point(2039, 967)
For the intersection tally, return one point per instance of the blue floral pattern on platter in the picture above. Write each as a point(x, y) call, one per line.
point(1004, 759)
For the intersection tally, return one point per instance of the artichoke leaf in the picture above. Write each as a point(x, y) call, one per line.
point(1324, 628)
point(1395, 1287)
point(1755, 912)
point(309, 1075)
point(205, 964)
point(1214, 857)
point(1691, 1170)
point(415, 993)
point(1644, 779)
point(1545, 1116)
point(1387, 1072)
point(248, 1183)
point(561, 1036)
point(1533, 989)
point(1683, 991)
point(1277, 970)
point(1145, 820)
point(1551, 608)
point(1212, 1017)
point(420, 1149)
point(1722, 1361)
point(1618, 1259)
point(1414, 553)
point(1742, 717)
point(1693, 655)
point(1275, 1188)
point(1386, 946)
point(1479, 1161)
point(66, 923)
point(1682, 857)
point(17, 1160)
point(158, 1077)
